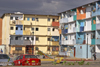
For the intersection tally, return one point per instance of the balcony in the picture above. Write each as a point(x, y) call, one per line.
point(64, 31)
point(55, 43)
point(74, 29)
point(26, 32)
point(18, 52)
point(27, 23)
point(98, 26)
point(55, 24)
point(20, 42)
point(63, 20)
point(81, 29)
point(16, 22)
point(65, 42)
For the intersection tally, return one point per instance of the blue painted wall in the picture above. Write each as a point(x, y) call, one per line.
point(80, 38)
point(20, 30)
point(97, 10)
point(98, 37)
point(81, 51)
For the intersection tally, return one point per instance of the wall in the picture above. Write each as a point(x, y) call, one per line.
point(81, 51)
point(0, 31)
point(88, 12)
point(87, 26)
point(71, 27)
point(98, 37)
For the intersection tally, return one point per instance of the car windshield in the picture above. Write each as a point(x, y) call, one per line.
point(4, 56)
point(30, 56)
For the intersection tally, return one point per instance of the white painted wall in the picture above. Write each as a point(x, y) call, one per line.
point(97, 20)
point(70, 27)
point(89, 38)
point(87, 26)
point(97, 48)
point(70, 18)
point(88, 11)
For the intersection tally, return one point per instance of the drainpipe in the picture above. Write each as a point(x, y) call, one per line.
point(87, 45)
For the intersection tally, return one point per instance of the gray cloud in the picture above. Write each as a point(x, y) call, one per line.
point(39, 6)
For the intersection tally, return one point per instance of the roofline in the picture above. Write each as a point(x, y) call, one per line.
point(78, 7)
point(29, 14)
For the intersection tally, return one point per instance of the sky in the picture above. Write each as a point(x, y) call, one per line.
point(46, 7)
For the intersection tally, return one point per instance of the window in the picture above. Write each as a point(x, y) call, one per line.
point(33, 19)
point(48, 19)
point(27, 38)
point(30, 56)
point(16, 38)
point(18, 48)
point(21, 57)
point(53, 19)
point(32, 28)
point(37, 38)
point(32, 38)
point(16, 28)
point(48, 39)
point(55, 48)
point(24, 18)
point(48, 29)
point(11, 18)
point(36, 29)
point(37, 19)
point(16, 18)
point(11, 28)
point(53, 29)
point(28, 19)
point(48, 49)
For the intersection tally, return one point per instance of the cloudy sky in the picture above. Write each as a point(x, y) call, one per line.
point(39, 6)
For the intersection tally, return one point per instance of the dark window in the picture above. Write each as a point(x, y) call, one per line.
point(27, 38)
point(32, 28)
point(18, 58)
point(53, 19)
point(11, 28)
point(33, 19)
point(48, 29)
point(37, 29)
point(48, 19)
point(30, 56)
point(11, 18)
point(53, 29)
point(37, 19)
point(21, 29)
point(16, 38)
point(55, 48)
point(37, 38)
point(32, 38)
point(18, 48)
point(48, 49)
point(21, 57)
point(16, 18)
point(48, 39)
point(16, 28)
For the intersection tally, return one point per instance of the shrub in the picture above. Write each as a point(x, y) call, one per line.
point(81, 62)
point(69, 63)
point(87, 63)
point(54, 63)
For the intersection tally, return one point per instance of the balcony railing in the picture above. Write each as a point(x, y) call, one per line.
point(63, 20)
point(55, 23)
point(98, 26)
point(16, 22)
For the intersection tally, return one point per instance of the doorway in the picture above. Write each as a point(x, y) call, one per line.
point(29, 49)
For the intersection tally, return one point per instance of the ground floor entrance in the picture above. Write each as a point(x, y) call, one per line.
point(29, 49)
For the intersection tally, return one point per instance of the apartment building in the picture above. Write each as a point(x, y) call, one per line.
point(26, 33)
point(80, 31)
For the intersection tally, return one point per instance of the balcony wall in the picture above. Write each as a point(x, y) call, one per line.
point(16, 22)
point(55, 24)
point(98, 37)
point(20, 30)
point(63, 20)
point(74, 29)
point(98, 26)
point(27, 22)
point(81, 29)
point(64, 31)
point(26, 32)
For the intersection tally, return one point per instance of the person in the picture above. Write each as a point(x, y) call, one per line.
point(94, 55)
point(1, 50)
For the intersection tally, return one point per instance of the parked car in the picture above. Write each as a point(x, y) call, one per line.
point(27, 59)
point(5, 60)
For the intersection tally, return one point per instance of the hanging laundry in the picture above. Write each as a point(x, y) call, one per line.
point(94, 22)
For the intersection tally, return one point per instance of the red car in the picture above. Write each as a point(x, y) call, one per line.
point(30, 60)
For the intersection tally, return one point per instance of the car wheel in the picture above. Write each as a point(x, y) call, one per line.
point(21, 64)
